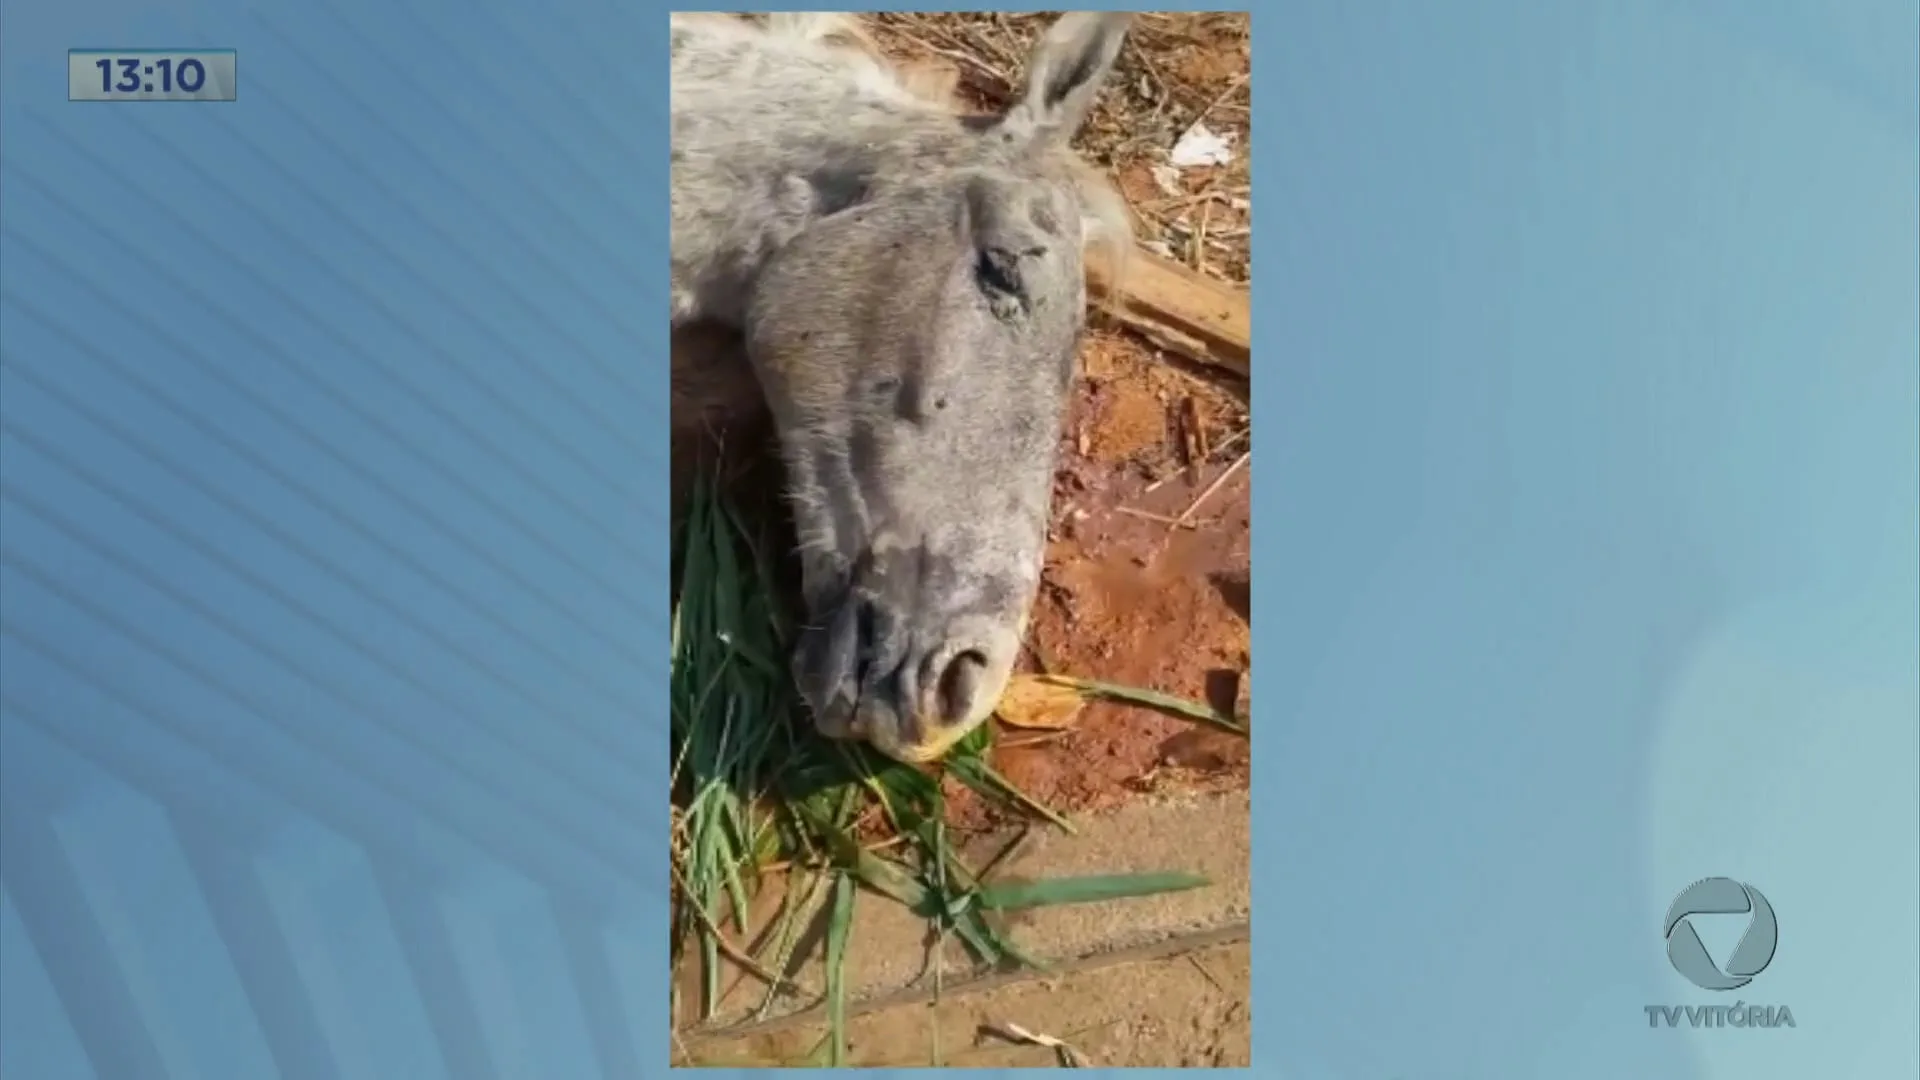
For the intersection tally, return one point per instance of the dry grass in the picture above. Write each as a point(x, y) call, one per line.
point(1177, 70)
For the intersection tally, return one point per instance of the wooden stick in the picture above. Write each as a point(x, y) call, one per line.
point(1183, 312)
point(1163, 519)
point(1218, 481)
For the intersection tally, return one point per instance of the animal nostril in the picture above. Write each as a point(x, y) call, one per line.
point(959, 686)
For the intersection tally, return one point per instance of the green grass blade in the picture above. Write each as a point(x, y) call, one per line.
point(889, 879)
point(800, 893)
point(1051, 892)
point(838, 926)
point(733, 856)
point(979, 941)
point(710, 976)
point(986, 780)
point(874, 872)
point(1177, 707)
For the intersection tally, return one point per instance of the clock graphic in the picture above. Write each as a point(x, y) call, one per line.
point(150, 74)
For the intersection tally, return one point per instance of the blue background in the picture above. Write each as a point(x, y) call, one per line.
point(331, 468)
point(1586, 530)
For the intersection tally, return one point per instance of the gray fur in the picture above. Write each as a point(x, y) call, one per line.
point(910, 286)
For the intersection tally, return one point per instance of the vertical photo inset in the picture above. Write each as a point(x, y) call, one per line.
point(961, 560)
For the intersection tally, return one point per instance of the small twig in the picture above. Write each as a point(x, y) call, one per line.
point(1161, 518)
point(1004, 855)
point(1181, 202)
point(783, 865)
point(985, 80)
point(1226, 444)
point(1194, 959)
point(1005, 48)
point(730, 950)
point(1069, 1057)
point(985, 42)
point(1157, 484)
point(1218, 482)
point(1217, 99)
point(1234, 439)
point(1163, 96)
point(1024, 742)
point(1200, 237)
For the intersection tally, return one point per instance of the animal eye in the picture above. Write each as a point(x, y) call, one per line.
point(886, 384)
point(999, 271)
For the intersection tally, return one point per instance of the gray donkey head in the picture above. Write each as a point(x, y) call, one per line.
point(916, 345)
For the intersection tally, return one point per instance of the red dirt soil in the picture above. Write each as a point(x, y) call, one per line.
point(1133, 599)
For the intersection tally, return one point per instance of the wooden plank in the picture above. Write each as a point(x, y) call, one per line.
point(1183, 311)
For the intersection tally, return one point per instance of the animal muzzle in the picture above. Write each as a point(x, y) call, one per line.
point(907, 670)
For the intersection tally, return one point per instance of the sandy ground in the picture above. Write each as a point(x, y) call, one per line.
point(1185, 1008)
point(1155, 981)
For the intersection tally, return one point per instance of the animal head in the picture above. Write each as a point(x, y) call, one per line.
point(917, 347)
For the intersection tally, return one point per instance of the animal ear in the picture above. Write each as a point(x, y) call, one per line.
point(1064, 74)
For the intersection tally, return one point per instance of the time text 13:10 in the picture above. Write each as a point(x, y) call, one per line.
point(193, 74)
point(150, 75)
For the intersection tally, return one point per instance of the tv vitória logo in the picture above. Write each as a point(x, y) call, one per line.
point(1721, 896)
